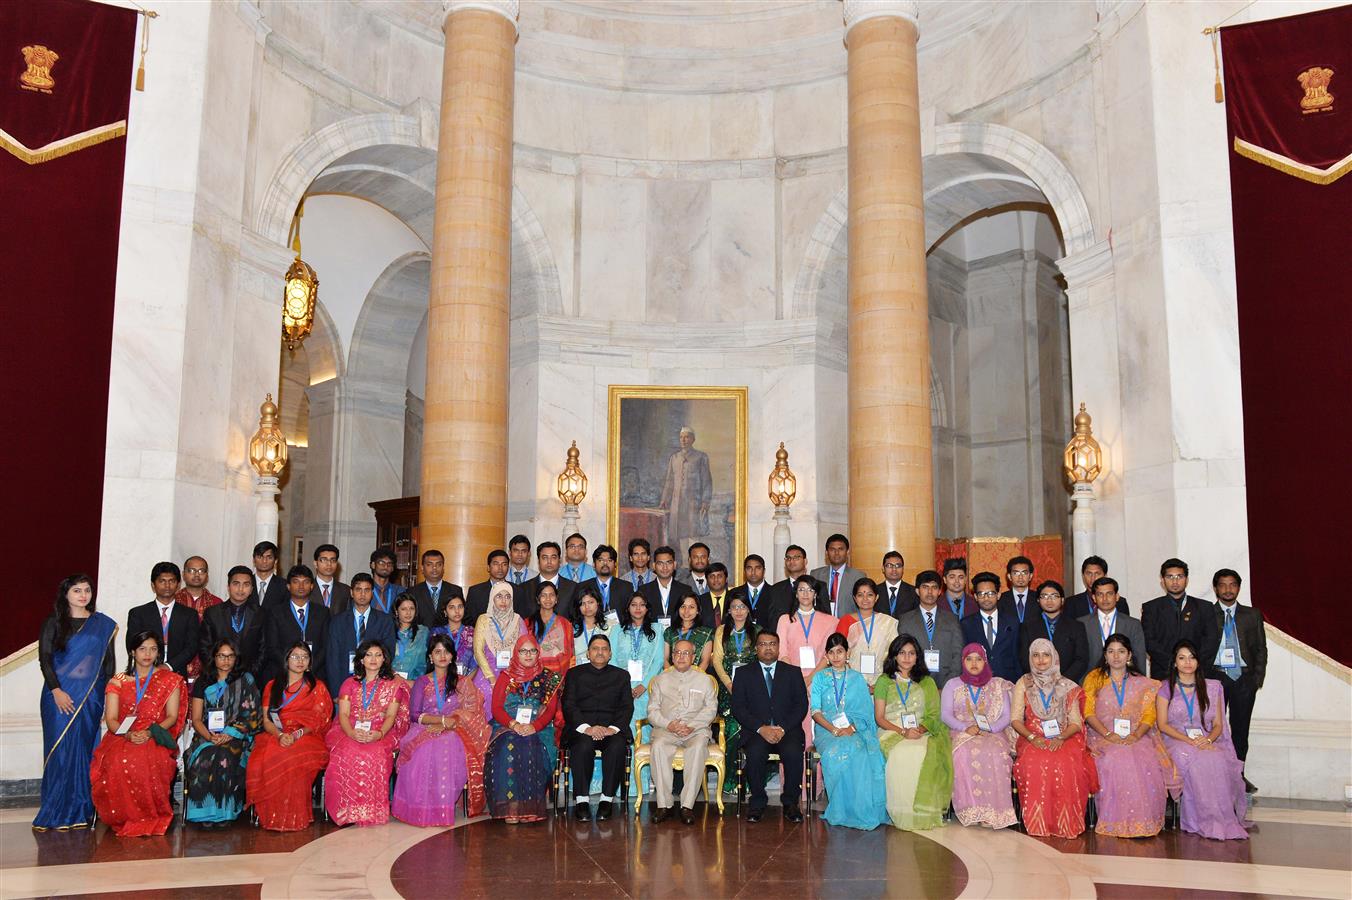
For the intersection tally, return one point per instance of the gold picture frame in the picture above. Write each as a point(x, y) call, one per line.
point(652, 413)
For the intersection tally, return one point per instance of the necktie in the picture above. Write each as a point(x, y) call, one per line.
point(326, 594)
point(164, 623)
point(990, 630)
point(1231, 639)
point(893, 608)
point(929, 621)
point(516, 576)
point(361, 626)
point(699, 585)
point(1019, 598)
point(436, 595)
point(262, 588)
point(301, 618)
point(835, 583)
point(769, 680)
point(605, 594)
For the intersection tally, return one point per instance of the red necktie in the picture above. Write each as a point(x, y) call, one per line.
point(835, 583)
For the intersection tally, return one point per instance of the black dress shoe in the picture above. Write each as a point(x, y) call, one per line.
point(687, 816)
point(792, 814)
point(1249, 787)
point(663, 813)
point(755, 815)
point(603, 810)
point(582, 812)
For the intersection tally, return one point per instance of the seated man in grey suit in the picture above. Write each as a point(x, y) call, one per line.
point(935, 628)
point(838, 577)
point(1107, 619)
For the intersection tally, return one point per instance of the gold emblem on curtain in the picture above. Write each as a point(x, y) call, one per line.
point(1317, 98)
point(38, 76)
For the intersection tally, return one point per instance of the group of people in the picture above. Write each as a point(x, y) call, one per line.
point(911, 696)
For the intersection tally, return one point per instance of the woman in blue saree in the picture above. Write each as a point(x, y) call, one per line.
point(521, 751)
point(846, 736)
point(75, 654)
point(227, 712)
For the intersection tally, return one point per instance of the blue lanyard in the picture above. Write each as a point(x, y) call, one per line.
point(439, 689)
point(384, 601)
point(975, 696)
point(237, 622)
point(633, 640)
point(683, 635)
point(1112, 629)
point(1189, 705)
point(739, 638)
point(402, 640)
point(838, 685)
point(930, 622)
point(1051, 625)
point(296, 615)
point(960, 608)
point(1229, 629)
point(367, 698)
point(1120, 693)
point(808, 627)
point(1047, 699)
point(287, 698)
point(906, 697)
point(142, 686)
point(358, 620)
point(498, 628)
point(753, 597)
point(605, 594)
point(542, 628)
point(868, 629)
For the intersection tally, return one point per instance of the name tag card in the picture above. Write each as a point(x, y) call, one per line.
point(1122, 727)
point(908, 720)
point(982, 722)
point(524, 715)
point(461, 669)
point(868, 664)
point(1227, 657)
point(612, 619)
point(403, 675)
point(664, 621)
point(932, 660)
point(1194, 733)
point(841, 721)
point(215, 720)
point(504, 659)
point(806, 658)
point(276, 718)
point(352, 664)
point(1051, 728)
point(125, 725)
point(635, 670)
point(361, 726)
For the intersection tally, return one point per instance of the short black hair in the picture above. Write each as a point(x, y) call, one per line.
point(1173, 562)
point(955, 564)
point(1226, 573)
point(299, 571)
point(753, 557)
point(326, 548)
point(664, 549)
point(789, 549)
point(238, 570)
point(548, 545)
point(985, 578)
point(698, 545)
point(598, 637)
point(1105, 580)
point(1050, 583)
point(716, 567)
point(384, 553)
point(165, 568)
point(837, 538)
point(432, 552)
point(605, 549)
point(575, 534)
point(1018, 560)
point(891, 553)
point(929, 576)
point(264, 546)
point(1094, 561)
point(518, 539)
point(640, 542)
point(362, 578)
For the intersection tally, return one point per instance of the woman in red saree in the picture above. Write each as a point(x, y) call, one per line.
point(131, 772)
point(372, 717)
point(290, 751)
point(554, 634)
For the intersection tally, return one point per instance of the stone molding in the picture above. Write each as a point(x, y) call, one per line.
point(857, 11)
point(508, 9)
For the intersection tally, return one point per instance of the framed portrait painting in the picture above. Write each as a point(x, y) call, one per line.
point(677, 468)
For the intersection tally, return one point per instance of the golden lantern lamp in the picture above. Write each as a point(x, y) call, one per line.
point(1084, 456)
point(267, 448)
point(572, 480)
point(300, 293)
point(783, 484)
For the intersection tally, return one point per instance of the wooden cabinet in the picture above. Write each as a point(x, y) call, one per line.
point(397, 530)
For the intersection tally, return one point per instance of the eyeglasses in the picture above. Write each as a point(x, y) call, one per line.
point(1174, 577)
point(196, 570)
point(892, 565)
point(225, 656)
point(986, 594)
point(1013, 572)
point(682, 653)
point(299, 657)
point(1049, 596)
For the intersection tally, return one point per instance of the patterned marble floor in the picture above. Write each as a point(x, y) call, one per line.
point(1292, 852)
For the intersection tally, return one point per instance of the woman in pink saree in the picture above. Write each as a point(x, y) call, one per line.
point(976, 708)
point(372, 717)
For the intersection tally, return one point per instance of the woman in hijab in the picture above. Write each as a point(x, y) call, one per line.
point(1053, 770)
point(976, 709)
point(521, 751)
point(495, 635)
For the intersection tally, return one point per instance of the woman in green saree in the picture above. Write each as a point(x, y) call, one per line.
point(914, 740)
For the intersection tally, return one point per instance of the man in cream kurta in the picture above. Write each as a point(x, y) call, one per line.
point(682, 703)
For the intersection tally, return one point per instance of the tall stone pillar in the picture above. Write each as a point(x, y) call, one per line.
point(891, 485)
point(464, 451)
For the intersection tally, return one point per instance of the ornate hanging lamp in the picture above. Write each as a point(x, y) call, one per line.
point(300, 293)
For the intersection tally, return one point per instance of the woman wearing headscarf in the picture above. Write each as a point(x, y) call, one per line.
point(976, 709)
point(495, 634)
point(911, 733)
point(847, 739)
point(521, 751)
point(1053, 770)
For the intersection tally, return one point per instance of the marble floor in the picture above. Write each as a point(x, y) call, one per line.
point(1294, 851)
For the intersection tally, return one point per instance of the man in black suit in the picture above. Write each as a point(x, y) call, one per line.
point(548, 556)
point(769, 602)
point(1066, 634)
point(1016, 602)
point(1175, 616)
point(295, 620)
point(664, 593)
point(1082, 604)
point(696, 572)
point(269, 587)
point(432, 591)
point(895, 596)
point(956, 597)
point(769, 700)
point(240, 619)
point(176, 624)
point(329, 591)
point(993, 628)
point(597, 706)
point(615, 593)
point(476, 603)
point(359, 622)
point(1240, 663)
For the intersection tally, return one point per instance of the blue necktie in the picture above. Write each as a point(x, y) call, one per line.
point(769, 681)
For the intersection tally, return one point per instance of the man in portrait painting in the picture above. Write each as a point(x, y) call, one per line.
point(686, 492)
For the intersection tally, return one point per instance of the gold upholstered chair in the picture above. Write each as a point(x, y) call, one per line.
point(716, 760)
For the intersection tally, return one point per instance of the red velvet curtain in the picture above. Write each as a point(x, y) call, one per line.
point(1288, 95)
point(65, 81)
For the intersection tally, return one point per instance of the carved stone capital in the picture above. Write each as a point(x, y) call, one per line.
point(857, 11)
point(508, 9)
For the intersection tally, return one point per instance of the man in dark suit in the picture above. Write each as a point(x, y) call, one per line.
point(956, 598)
point(269, 587)
point(548, 556)
point(615, 593)
point(839, 577)
point(935, 628)
point(432, 591)
point(1175, 616)
point(1108, 619)
point(993, 628)
point(1082, 604)
point(295, 620)
point(476, 603)
point(895, 596)
point(765, 608)
point(176, 624)
point(696, 569)
point(1016, 602)
point(597, 706)
point(240, 619)
point(664, 593)
point(1240, 663)
point(780, 595)
point(329, 591)
point(1065, 633)
point(358, 623)
point(769, 700)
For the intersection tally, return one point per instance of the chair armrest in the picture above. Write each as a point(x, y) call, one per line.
point(638, 732)
point(722, 733)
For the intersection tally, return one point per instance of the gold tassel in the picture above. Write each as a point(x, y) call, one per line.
point(1216, 57)
point(146, 14)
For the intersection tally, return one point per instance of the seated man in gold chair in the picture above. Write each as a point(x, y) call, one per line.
point(682, 703)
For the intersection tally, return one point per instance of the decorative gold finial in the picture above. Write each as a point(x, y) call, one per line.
point(267, 448)
point(783, 484)
point(1083, 456)
point(572, 480)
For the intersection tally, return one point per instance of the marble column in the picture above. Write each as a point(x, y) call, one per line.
point(891, 483)
point(464, 451)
